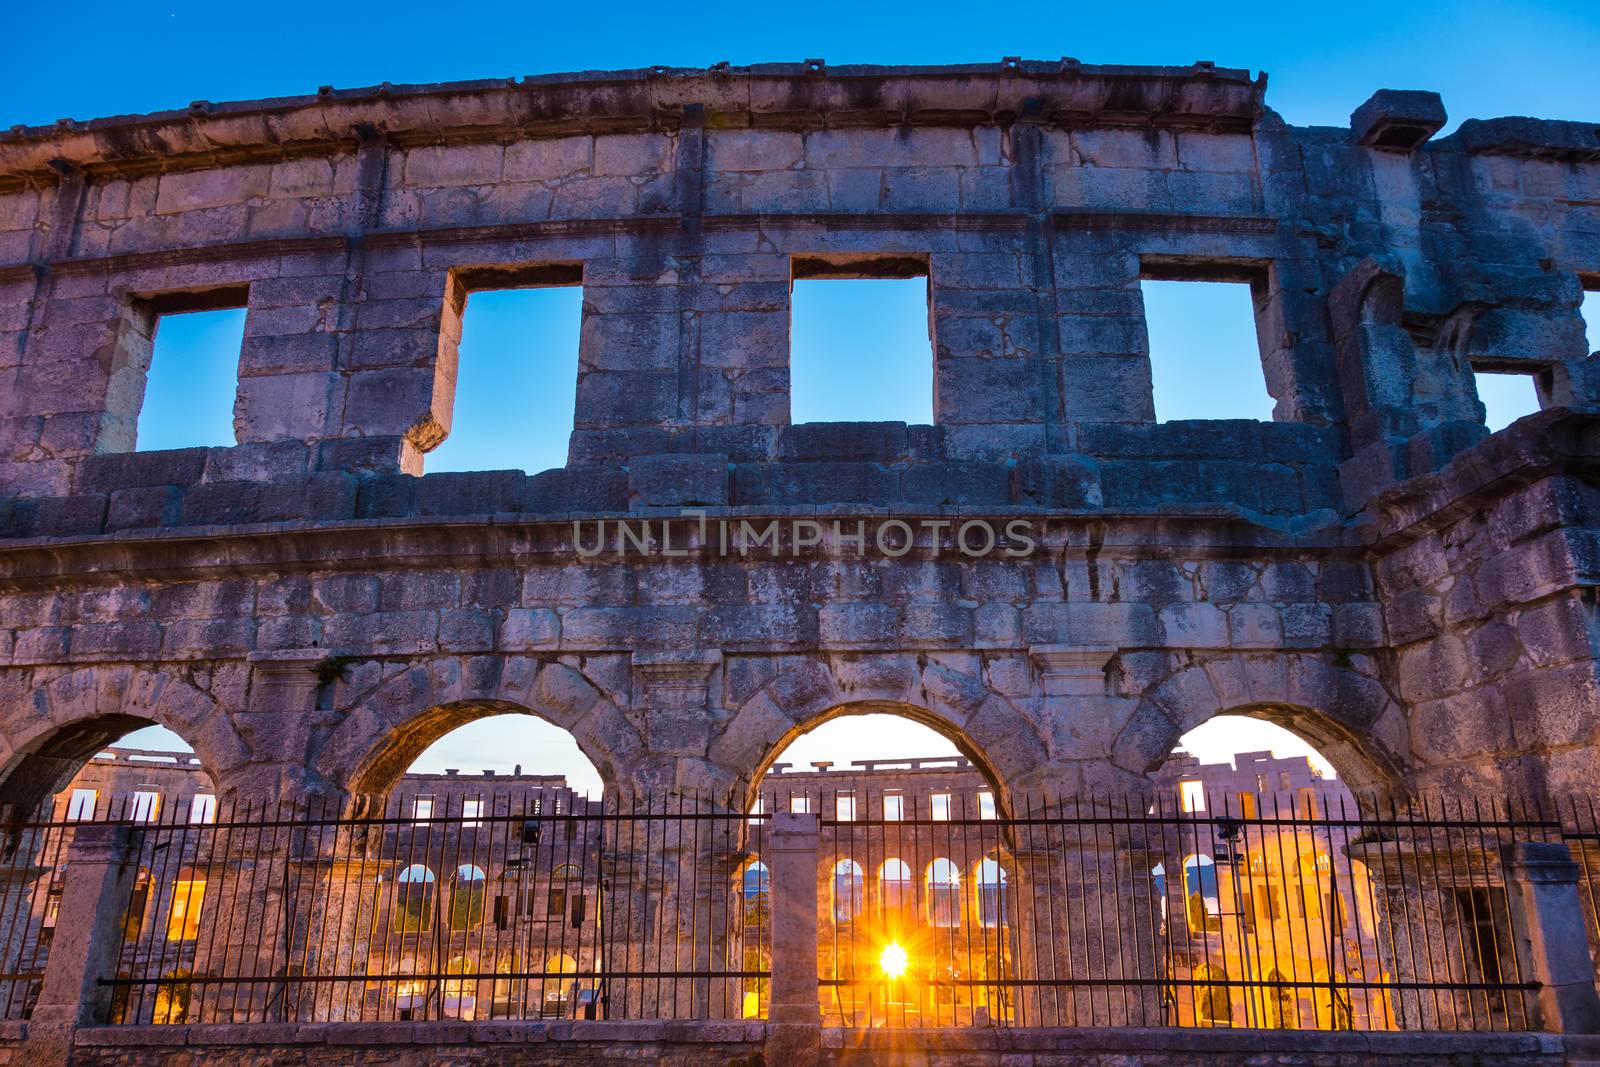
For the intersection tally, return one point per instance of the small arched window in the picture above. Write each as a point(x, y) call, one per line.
point(563, 888)
point(894, 888)
point(558, 983)
point(992, 894)
point(505, 988)
point(410, 993)
point(467, 895)
point(848, 885)
point(413, 899)
point(183, 912)
point(1213, 998)
point(944, 894)
point(138, 904)
point(1201, 899)
point(460, 993)
point(755, 893)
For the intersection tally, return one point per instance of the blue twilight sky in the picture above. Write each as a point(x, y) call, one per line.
point(518, 355)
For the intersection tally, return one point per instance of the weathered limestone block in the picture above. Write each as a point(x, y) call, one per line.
point(1398, 119)
point(678, 480)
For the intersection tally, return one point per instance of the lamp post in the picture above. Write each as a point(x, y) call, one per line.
point(1228, 833)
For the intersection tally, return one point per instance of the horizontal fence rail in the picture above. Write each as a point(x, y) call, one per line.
point(1319, 914)
point(490, 907)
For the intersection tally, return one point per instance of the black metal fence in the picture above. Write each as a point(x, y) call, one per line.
point(489, 907)
point(33, 854)
point(1311, 914)
point(1103, 914)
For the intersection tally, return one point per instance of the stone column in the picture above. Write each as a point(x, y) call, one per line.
point(338, 914)
point(1551, 942)
point(1099, 916)
point(94, 898)
point(795, 1031)
point(681, 865)
point(271, 877)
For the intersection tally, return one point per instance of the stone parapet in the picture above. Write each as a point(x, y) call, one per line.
point(720, 1044)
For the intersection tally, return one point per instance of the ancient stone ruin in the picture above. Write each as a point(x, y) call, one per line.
point(1047, 574)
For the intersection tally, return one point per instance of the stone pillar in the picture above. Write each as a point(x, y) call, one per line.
point(684, 861)
point(100, 871)
point(1036, 957)
point(269, 875)
point(795, 1031)
point(1551, 942)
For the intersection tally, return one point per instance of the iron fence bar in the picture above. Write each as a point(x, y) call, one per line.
point(434, 976)
point(1231, 982)
point(1200, 818)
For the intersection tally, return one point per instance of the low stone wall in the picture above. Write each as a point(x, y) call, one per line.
point(671, 1044)
point(735, 1044)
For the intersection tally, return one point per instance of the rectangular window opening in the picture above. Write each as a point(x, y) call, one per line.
point(845, 807)
point(516, 369)
point(860, 340)
point(939, 807)
point(183, 916)
point(1205, 360)
point(81, 806)
point(894, 807)
point(1192, 796)
point(203, 808)
point(193, 376)
point(1506, 395)
point(146, 805)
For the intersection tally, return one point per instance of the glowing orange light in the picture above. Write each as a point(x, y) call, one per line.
point(893, 961)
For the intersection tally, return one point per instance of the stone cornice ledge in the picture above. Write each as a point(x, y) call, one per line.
point(519, 539)
point(808, 94)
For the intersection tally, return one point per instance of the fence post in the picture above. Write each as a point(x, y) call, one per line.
point(88, 937)
point(1547, 922)
point(794, 1012)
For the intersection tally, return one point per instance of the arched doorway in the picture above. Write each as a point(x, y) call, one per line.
point(105, 766)
point(913, 868)
point(111, 766)
point(492, 746)
point(487, 840)
point(1259, 823)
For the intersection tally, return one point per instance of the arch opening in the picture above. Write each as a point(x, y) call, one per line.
point(1367, 775)
point(488, 745)
point(111, 766)
point(856, 750)
point(1260, 839)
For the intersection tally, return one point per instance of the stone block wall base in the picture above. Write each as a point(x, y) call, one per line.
point(47, 1045)
point(794, 1045)
point(741, 1044)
